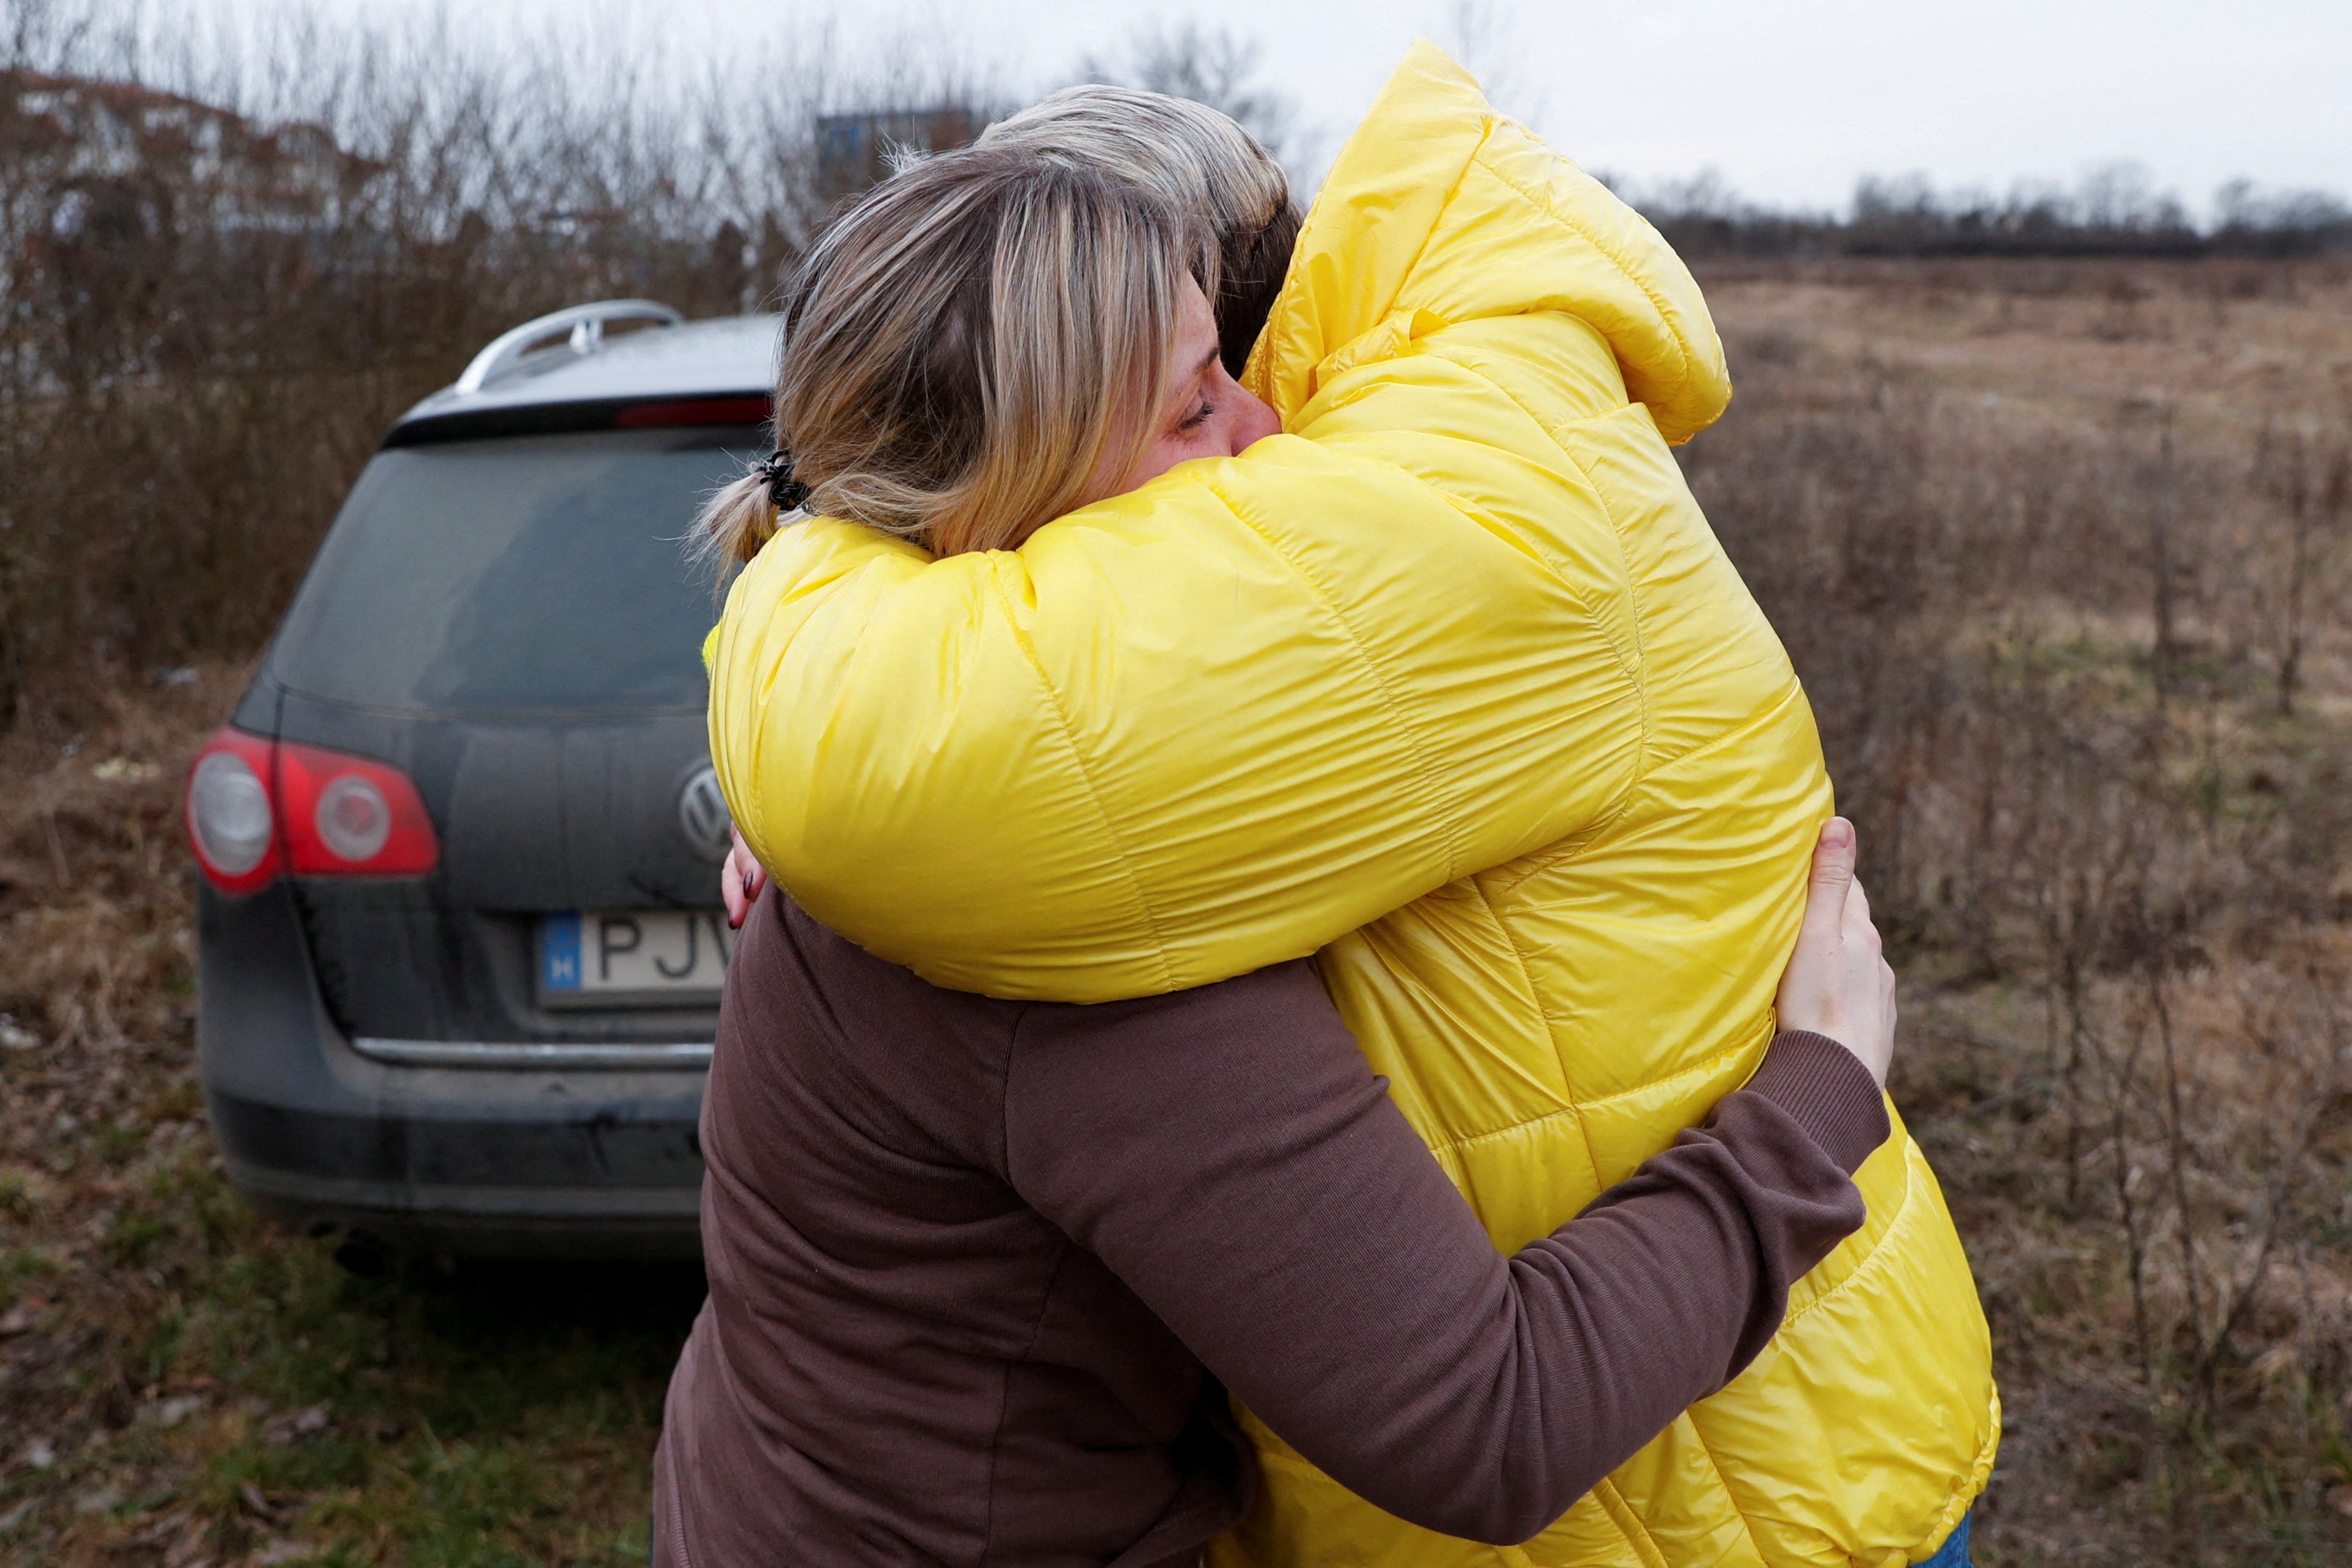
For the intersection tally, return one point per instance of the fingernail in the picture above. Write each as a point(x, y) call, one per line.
point(1839, 834)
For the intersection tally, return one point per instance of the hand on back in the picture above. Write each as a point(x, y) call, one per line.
point(1837, 983)
point(740, 881)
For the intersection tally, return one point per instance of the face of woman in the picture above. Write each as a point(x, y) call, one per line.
point(1203, 413)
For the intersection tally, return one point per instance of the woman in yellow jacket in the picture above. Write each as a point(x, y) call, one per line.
point(1450, 685)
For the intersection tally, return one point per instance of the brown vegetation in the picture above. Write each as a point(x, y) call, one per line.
point(212, 313)
point(2064, 553)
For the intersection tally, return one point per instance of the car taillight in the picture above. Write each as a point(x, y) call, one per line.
point(346, 815)
point(256, 808)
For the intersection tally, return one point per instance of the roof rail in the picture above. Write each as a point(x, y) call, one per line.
point(584, 323)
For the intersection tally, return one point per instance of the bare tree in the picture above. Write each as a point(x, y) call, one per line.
point(1212, 68)
point(2309, 487)
point(1485, 35)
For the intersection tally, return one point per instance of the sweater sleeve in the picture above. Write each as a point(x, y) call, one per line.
point(1227, 1152)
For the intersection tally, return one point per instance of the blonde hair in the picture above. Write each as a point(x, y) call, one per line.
point(1200, 160)
point(963, 347)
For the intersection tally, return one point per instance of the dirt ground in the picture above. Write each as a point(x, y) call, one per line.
point(180, 1384)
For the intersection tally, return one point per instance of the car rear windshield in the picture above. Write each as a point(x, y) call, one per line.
point(523, 573)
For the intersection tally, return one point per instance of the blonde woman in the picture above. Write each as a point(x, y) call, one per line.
point(1226, 713)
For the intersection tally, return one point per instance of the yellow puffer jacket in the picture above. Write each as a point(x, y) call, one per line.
point(1452, 683)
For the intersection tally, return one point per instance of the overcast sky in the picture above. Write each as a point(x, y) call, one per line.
point(1791, 100)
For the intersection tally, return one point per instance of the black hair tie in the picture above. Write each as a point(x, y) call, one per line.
point(787, 492)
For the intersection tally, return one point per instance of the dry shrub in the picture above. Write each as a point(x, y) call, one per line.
point(310, 230)
point(2081, 676)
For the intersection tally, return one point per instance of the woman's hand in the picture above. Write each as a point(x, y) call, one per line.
point(1836, 983)
point(742, 879)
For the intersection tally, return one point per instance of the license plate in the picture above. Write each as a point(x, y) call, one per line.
point(598, 958)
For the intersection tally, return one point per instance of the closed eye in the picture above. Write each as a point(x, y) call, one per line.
point(1198, 417)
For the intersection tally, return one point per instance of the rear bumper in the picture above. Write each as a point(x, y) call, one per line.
point(483, 1221)
point(550, 1155)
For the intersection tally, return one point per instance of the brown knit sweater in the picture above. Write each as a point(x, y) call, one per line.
point(981, 1271)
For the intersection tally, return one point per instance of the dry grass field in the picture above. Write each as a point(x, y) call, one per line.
point(2064, 552)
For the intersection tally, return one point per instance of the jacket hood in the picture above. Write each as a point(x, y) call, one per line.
point(1362, 263)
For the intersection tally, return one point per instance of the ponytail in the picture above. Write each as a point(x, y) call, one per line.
point(737, 520)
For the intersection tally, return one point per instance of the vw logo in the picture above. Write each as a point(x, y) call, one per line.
point(702, 813)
